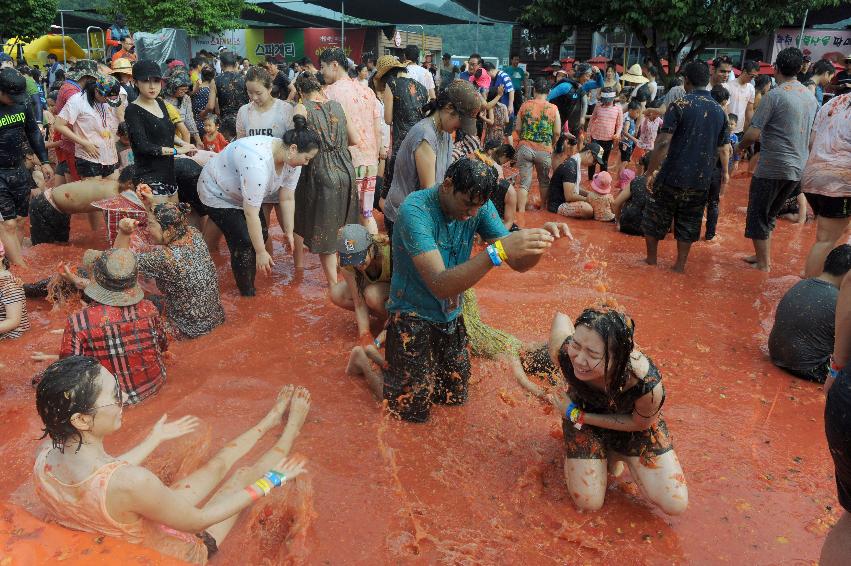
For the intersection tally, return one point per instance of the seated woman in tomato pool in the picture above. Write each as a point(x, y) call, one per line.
point(610, 408)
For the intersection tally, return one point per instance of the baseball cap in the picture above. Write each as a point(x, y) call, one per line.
point(146, 70)
point(13, 84)
point(353, 244)
point(222, 48)
point(596, 150)
point(467, 101)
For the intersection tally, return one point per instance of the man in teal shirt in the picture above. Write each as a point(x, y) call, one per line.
point(427, 359)
point(517, 75)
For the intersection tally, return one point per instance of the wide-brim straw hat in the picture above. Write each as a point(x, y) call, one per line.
point(633, 75)
point(122, 65)
point(384, 64)
point(115, 278)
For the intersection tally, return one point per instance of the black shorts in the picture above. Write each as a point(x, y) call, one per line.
point(161, 189)
point(62, 168)
point(837, 428)
point(188, 193)
point(15, 185)
point(626, 152)
point(669, 204)
point(47, 225)
point(428, 362)
point(830, 207)
point(92, 169)
point(594, 443)
point(766, 198)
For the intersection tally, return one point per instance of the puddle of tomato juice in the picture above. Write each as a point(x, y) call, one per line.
point(482, 483)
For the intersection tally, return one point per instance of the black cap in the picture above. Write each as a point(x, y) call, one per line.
point(596, 150)
point(13, 84)
point(146, 70)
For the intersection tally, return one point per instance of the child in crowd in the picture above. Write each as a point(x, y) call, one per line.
point(605, 126)
point(628, 139)
point(13, 305)
point(647, 130)
point(732, 120)
point(201, 94)
point(629, 204)
point(213, 139)
point(600, 197)
point(497, 118)
point(122, 146)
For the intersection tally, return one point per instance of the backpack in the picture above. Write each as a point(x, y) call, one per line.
point(570, 104)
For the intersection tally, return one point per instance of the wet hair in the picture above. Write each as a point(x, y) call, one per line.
point(259, 75)
point(475, 56)
point(501, 150)
point(697, 73)
point(472, 177)
point(617, 331)
point(412, 53)
point(838, 261)
point(645, 160)
point(335, 54)
point(651, 70)
point(732, 117)
point(301, 136)
point(721, 60)
point(720, 94)
point(760, 81)
point(53, 95)
point(195, 62)
point(750, 66)
point(122, 129)
point(789, 61)
point(488, 66)
point(820, 67)
point(633, 105)
point(542, 86)
point(353, 72)
point(52, 56)
point(307, 83)
point(227, 127)
point(359, 68)
point(207, 74)
point(229, 59)
point(59, 75)
point(442, 101)
point(305, 61)
point(67, 387)
point(172, 216)
point(213, 118)
point(127, 173)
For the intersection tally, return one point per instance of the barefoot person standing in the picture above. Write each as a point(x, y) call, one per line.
point(427, 357)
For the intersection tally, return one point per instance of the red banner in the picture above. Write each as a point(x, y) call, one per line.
point(317, 40)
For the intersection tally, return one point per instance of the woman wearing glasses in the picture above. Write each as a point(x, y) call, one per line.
point(609, 397)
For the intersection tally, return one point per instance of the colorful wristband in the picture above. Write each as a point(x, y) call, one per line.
point(494, 255)
point(568, 411)
point(500, 250)
point(253, 493)
point(834, 368)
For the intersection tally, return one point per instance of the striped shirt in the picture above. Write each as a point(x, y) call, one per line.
point(606, 122)
point(11, 292)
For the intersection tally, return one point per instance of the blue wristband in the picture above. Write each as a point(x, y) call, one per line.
point(494, 255)
point(567, 412)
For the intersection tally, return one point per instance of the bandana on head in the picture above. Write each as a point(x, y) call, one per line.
point(178, 78)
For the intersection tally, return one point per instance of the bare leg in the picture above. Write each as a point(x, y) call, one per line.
point(298, 251)
point(375, 296)
point(586, 482)
point(369, 223)
point(95, 218)
point(267, 212)
point(663, 484)
point(299, 407)
point(522, 197)
point(828, 233)
point(682, 256)
point(360, 364)
point(198, 485)
point(762, 257)
point(341, 297)
point(652, 248)
point(329, 266)
point(9, 237)
point(212, 236)
point(837, 544)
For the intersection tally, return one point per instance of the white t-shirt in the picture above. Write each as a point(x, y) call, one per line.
point(250, 121)
point(421, 75)
point(98, 125)
point(243, 174)
point(740, 96)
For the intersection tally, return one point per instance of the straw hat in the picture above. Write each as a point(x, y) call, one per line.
point(115, 278)
point(384, 64)
point(602, 183)
point(122, 65)
point(633, 75)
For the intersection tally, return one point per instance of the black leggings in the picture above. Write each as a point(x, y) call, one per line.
point(243, 261)
point(607, 149)
point(712, 204)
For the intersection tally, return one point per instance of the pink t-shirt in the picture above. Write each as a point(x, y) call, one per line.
point(647, 133)
point(361, 108)
point(98, 124)
point(606, 122)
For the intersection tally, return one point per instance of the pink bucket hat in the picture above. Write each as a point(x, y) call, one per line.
point(602, 183)
point(626, 177)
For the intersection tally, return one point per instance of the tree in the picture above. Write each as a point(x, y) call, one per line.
point(197, 17)
point(668, 27)
point(27, 19)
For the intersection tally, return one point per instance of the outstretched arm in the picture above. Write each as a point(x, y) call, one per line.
point(160, 432)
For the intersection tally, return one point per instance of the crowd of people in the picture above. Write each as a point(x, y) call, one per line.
point(167, 159)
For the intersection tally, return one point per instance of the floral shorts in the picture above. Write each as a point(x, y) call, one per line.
point(594, 443)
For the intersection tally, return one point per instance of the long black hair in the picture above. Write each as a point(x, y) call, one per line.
point(442, 101)
point(67, 387)
point(301, 136)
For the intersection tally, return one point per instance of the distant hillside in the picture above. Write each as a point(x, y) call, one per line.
point(460, 39)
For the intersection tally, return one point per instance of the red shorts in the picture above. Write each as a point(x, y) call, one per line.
point(366, 194)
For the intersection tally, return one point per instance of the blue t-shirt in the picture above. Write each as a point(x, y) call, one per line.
point(699, 128)
point(422, 227)
point(628, 128)
point(505, 81)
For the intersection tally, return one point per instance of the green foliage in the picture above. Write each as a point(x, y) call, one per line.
point(197, 17)
point(667, 27)
point(27, 19)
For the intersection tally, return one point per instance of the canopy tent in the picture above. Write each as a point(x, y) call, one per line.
point(390, 12)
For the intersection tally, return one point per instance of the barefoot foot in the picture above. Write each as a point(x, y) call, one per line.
point(357, 359)
point(299, 407)
point(751, 259)
point(276, 413)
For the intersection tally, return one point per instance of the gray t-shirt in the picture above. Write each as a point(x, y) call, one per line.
point(405, 178)
point(785, 116)
point(802, 336)
point(674, 94)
